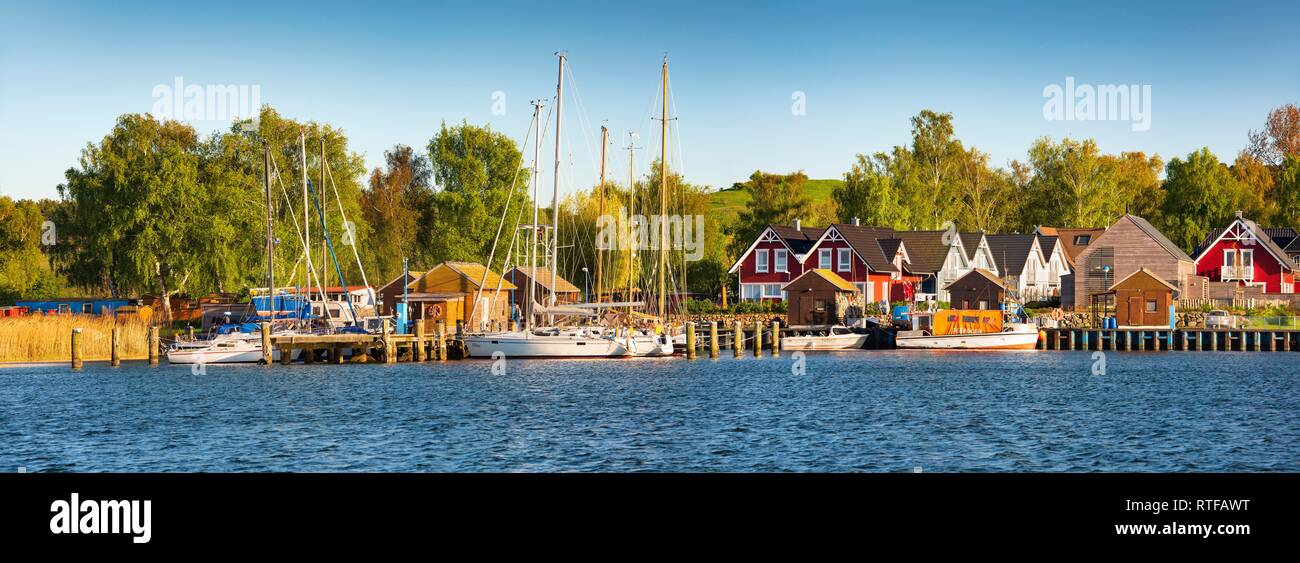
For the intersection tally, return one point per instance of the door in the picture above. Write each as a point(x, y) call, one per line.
point(1135, 307)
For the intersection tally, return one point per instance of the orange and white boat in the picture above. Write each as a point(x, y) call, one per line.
point(956, 329)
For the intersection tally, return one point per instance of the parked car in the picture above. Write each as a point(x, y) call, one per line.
point(1223, 319)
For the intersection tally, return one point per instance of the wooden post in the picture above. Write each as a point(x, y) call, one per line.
point(419, 340)
point(1257, 348)
point(758, 339)
point(776, 338)
point(76, 349)
point(1214, 340)
point(442, 340)
point(191, 331)
point(460, 329)
point(286, 355)
point(1286, 341)
point(690, 341)
point(713, 339)
point(738, 340)
point(115, 352)
point(153, 345)
point(1242, 338)
point(390, 355)
point(1071, 344)
point(267, 352)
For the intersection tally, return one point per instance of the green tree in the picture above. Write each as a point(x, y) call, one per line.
point(25, 270)
point(1201, 195)
point(1073, 185)
point(392, 207)
point(1288, 193)
point(775, 199)
point(1137, 178)
point(1258, 181)
point(984, 193)
point(868, 194)
point(931, 170)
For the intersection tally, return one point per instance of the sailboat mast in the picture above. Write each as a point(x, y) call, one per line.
point(532, 253)
point(306, 218)
point(631, 212)
point(324, 250)
point(555, 190)
point(270, 233)
point(600, 252)
point(663, 196)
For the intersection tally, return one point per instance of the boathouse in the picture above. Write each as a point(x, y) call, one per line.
point(979, 289)
point(390, 294)
point(565, 292)
point(820, 297)
point(1127, 246)
point(74, 305)
point(1144, 300)
point(461, 291)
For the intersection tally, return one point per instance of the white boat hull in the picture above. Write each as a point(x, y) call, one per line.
point(237, 355)
point(515, 345)
point(1011, 340)
point(827, 342)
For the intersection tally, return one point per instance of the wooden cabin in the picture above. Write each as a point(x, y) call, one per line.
point(1127, 246)
point(1143, 299)
point(390, 294)
point(565, 292)
point(819, 297)
point(451, 292)
point(979, 289)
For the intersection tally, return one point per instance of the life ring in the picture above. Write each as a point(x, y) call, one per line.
point(437, 311)
point(1057, 314)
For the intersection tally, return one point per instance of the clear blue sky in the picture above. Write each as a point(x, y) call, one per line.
point(389, 73)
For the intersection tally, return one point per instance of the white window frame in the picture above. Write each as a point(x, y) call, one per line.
point(843, 260)
point(824, 258)
point(761, 265)
point(777, 295)
point(1229, 257)
point(1247, 263)
point(751, 292)
point(780, 260)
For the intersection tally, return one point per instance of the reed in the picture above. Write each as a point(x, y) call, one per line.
point(46, 338)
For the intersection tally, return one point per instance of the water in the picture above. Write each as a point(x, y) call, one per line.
point(858, 411)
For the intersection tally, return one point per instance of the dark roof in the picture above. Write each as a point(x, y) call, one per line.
point(799, 240)
point(926, 251)
point(1067, 237)
point(1160, 239)
point(1047, 243)
point(864, 242)
point(1011, 252)
point(971, 242)
point(1294, 246)
point(889, 246)
point(982, 273)
point(1269, 238)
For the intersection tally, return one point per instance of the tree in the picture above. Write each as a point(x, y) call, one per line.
point(1201, 195)
point(984, 193)
point(1137, 180)
point(934, 160)
point(1257, 179)
point(24, 270)
point(869, 195)
point(1280, 137)
point(478, 173)
point(775, 199)
point(1073, 185)
point(392, 205)
point(1288, 193)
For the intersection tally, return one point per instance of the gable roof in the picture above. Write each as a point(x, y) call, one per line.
point(970, 242)
point(1157, 236)
point(830, 277)
point(1010, 252)
point(471, 272)
point(398, 280)
point(543, 279)
point(926, 250)
point(864, 242)
point(1067, 237)
point(1146, 272)
point(798, 241)
point(979, 272)
point(1261, 234)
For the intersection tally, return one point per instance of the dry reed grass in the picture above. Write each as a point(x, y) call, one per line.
point(44, 338)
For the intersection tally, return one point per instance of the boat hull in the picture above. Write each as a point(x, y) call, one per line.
point(991, 341)
point(242, 355)
point(513, 346)
point(831, 342)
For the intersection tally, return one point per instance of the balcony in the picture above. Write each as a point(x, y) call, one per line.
point(1236, 273)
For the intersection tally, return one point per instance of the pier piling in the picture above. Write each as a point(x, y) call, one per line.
point(153, 345)
point(690, 341)
point(76, 349)
point(419, 340)
point(758, 339)
point(713, 339)
point(267, 352)
point(442, 340)
point(776, 338)
point(390, 354)
point(738, 340)
point(115, 351)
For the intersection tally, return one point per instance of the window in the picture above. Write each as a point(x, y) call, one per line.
point(751, 292)
point(843, 260)
point(65, 308)
point(1247, 259)
point(87, 308)
point(824, 258)
point(760, 264)
point(1082, 240)
point(772, 291)
point(983, 304)
point(1151, 305)
point(1229, 258)
point(782, 263)
point(868, 295)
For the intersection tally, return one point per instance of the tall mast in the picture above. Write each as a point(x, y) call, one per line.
point(555, 190)
point(324, 256)
point(631, 212)
point(306, 218)
point(663, 197)
point(270, 233)
point(532, 253)
point(600, 252)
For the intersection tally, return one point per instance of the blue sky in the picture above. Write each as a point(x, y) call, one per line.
point(389, 73)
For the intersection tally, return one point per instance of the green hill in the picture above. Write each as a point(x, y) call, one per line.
point(727, 204)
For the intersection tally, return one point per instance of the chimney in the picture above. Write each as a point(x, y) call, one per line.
point(856, 222)
point(1238, 214)
point(797, 227)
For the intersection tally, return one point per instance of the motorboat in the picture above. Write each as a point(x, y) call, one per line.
point(956, 329)
point(837, 337)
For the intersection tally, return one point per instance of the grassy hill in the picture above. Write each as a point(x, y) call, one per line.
point(727, 204)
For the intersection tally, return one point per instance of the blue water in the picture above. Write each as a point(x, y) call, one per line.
point(860, 411)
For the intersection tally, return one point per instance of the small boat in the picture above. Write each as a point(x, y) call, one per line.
point(954, 329)
point(839, 337)
point(545, 344)
point(222, 349)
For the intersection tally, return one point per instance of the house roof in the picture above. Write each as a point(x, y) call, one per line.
point(1010, 252)
point(865, 242)
point(1067, 238)
point(473, 273)
point(925, 249)
point(889, 246)
point(979, 272)
point(831, 277)
point(398, 280)
point(1159, 237)
point(970, 241)
point(1265, 236)
point(799, 241)
point(1148, 273)
point(543, 279)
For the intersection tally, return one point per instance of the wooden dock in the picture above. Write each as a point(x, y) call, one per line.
point(1164, 339)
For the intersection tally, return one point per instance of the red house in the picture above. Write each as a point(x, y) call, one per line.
point(1244, 253)
point(773, 260)
point(871, 258)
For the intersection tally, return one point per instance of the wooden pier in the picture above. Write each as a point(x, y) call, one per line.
point(386, 347)
point(1164, 339)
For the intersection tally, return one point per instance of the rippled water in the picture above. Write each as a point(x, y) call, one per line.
point(860, 411)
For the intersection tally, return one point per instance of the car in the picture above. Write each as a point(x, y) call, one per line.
point(1222, 319)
